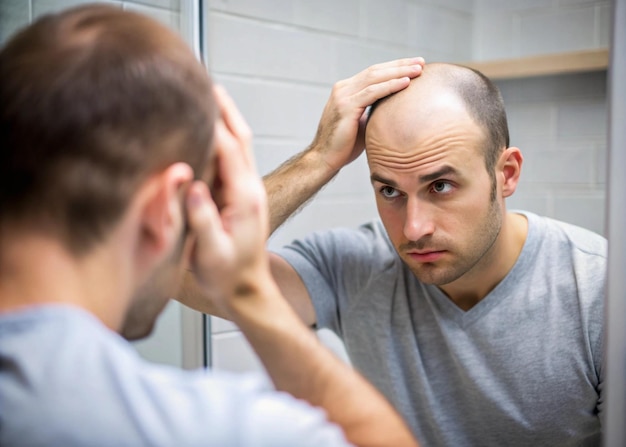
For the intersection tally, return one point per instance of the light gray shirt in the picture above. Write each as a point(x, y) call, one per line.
point(66, 380)
point(522, 367)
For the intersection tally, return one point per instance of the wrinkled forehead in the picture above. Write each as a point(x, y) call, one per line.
point(418, 117)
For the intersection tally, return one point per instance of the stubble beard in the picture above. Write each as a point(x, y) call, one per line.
point(478, 253)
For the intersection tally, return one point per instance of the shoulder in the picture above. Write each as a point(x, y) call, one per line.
point(359, 251)
point(369, 238)
point(148, 404)
point(578, 240)
point(572, 257)
point(570, 263)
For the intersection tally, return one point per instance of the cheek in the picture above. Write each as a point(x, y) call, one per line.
point(392, 218)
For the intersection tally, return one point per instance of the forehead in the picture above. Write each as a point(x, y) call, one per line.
point(410, 134)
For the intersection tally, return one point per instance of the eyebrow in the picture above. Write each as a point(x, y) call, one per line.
point(444, 170)
point(377, 178)
point(426, 178)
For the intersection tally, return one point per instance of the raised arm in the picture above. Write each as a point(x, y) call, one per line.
point(339, 139)
point(231, 266)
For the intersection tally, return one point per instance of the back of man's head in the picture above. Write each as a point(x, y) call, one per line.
point(92, 102)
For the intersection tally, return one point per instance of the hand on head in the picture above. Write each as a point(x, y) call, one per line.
point(229, 224)
point(340, 134)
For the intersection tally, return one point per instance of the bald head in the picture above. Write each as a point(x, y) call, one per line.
point(445, 93)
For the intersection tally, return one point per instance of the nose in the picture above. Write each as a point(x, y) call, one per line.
point(418, 221)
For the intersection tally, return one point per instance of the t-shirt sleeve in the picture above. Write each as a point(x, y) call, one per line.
point(338, 264)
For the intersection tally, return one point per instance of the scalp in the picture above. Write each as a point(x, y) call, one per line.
point(444, 93)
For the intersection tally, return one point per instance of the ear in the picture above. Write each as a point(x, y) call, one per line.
point(509, 169)
point(161, 213)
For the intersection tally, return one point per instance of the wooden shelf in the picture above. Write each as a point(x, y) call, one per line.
point(549, 64)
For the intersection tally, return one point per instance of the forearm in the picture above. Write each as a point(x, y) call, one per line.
point(294, 183)
point(192, 295)
point(300, 365)
point(339, 139)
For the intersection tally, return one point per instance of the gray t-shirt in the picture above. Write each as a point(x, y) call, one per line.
point(66, 380)
point(522, 367)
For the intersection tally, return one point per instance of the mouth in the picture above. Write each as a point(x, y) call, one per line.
point(426, 256)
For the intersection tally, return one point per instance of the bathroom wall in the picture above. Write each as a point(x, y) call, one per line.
point(559, 122)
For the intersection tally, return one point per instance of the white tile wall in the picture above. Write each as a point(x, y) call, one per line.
point(14, 14)
point(560, 124)
point(445, 35)
point(386, 21)
point(277, 109)
point(328, 15)
point(168, 17)
point(252, 50)
point(261, 10)
point(514, 28)
point(568, 30)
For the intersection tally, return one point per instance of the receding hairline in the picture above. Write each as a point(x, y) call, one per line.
point(480, 98)
point(435, 77)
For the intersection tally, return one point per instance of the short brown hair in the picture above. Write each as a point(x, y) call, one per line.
point(93, 101)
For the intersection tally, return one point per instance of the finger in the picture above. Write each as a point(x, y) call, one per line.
point(234, 121)
point(360, 137)
point(202, 213)
point(224, 139)
point(204, 222)
point(385, 72)
point(233, 169)
point(400, 62)
point(374, 92)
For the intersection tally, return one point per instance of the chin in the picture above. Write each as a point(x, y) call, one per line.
point(436, 276)
point(141, 317)
point(132, 332)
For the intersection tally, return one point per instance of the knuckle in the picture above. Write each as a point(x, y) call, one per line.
point(370, 72)
point(340, 84)
point(370, 90)
point(336, 90)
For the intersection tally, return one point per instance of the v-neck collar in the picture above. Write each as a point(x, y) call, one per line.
point(466, 318)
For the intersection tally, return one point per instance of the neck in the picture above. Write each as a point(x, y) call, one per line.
point(476, 284)
point(37, 270)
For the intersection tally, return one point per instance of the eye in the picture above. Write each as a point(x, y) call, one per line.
point(442, 187)
point(389, 192)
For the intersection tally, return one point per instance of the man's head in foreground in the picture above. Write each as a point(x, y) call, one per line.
point(441, 167)
point(106, 117)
